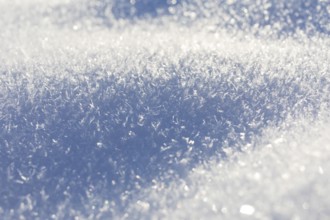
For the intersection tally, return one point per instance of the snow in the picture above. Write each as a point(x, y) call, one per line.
point(164, 109)
point(281, 178)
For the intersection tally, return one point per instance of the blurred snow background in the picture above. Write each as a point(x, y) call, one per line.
point(154, 109)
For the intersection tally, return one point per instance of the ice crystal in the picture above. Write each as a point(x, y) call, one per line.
point(164, 109)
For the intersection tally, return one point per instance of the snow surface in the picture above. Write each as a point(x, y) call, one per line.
point(152, 109)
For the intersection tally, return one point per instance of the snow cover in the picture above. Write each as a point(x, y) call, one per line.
point(158, 109)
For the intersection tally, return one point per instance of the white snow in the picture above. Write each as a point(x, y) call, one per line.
point(153, 110)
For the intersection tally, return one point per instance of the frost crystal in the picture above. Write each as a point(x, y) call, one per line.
point(154, 109)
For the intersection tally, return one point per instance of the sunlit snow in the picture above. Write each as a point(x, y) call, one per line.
point(155, 109)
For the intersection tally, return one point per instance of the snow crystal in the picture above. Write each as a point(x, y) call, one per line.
point(247, 210)
point(164, 109)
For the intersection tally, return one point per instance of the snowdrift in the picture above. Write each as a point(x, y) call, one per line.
point(164, 109)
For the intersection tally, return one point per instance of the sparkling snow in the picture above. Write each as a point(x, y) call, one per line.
point(154, 109)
